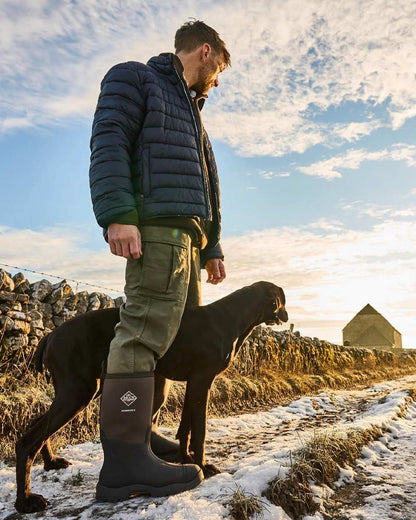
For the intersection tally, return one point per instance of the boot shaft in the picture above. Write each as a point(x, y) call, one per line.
point(126, 407)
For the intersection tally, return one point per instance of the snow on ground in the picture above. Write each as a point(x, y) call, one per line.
point(251, 449)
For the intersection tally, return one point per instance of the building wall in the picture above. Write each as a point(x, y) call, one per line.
point(371, 331)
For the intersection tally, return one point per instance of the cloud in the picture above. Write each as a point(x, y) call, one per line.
point(61, 251)
point(299, 61)
point(270, 174)
point(324, 224)
point(328, 272)
point(378, 211)
point(331, 168)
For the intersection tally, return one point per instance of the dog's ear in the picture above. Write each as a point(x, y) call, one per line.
point(280, 304)
point(281, 296)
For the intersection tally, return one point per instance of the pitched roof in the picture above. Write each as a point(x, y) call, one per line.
point(368, 309)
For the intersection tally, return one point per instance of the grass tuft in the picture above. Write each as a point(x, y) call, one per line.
point(317, 462)
point(243, 506)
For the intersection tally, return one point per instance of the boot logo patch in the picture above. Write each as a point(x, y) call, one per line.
point(128, 398)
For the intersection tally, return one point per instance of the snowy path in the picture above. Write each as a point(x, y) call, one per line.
point(384, 484)
point(252, 449)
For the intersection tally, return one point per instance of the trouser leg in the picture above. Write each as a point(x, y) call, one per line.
point(156, 291)
point(193, 298)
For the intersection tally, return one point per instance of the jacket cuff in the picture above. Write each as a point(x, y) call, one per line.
point(131, 218)
point(211, 252)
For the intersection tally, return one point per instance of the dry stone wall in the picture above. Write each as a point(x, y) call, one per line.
point(29, 311)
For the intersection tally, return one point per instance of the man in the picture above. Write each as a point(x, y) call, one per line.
point(155, 192)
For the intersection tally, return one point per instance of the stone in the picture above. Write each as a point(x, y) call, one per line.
point(60, 291)
point(67, 315)
point(16, 342)
point(21, 285)
point(6, 281)
point(47, 322)
point(58, 320)
point(21, 326)
point(36, 321)
point(6, 307)
point(105, 301)
point(59, 305)
point(82, 302)
point(33, 341)
point(118, 302)
point(6, 324)
point(8, 297)
point(94, 302)
point(41, 290)
point(22, 316)
point(45, 309)
point(71, 302)
point(38, 333)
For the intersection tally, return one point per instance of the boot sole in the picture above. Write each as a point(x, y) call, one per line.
point(106, 494)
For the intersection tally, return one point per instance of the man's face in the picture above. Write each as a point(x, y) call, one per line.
point(208, 75)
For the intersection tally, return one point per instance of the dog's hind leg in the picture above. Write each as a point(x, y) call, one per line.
point(50, 460)
point(67, 403)
point(163, 447)
point(162, 387)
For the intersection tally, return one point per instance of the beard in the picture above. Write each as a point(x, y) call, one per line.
point(205, 80)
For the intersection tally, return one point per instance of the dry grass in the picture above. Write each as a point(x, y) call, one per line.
point(271, 368)
point(293, 495)
point(319, 462)
point(25, 398)
point(243, 506)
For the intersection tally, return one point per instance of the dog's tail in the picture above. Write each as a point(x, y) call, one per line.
point(38, 356)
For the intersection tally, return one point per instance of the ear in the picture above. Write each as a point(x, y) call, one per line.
point(281, 301)
point(205, 51)
point(281, 296)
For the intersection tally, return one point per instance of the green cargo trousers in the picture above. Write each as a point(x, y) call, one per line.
point(165, 279)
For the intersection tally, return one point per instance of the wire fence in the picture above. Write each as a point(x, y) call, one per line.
point(49, 275)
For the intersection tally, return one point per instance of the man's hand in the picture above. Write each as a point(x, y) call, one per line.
point(125, 240)
point(216, 270)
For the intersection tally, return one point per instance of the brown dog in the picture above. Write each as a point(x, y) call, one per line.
point(208, 340)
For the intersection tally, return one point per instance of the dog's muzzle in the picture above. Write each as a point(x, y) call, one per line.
point(279, 316)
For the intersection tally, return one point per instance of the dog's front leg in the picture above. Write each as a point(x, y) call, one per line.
point(185, 429)
point(199, 386)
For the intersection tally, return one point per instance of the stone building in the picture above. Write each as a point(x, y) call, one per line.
point(370, 329)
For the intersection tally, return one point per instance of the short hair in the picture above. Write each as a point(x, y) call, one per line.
point(195, 33)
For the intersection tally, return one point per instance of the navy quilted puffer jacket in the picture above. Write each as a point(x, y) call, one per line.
point(148, 148)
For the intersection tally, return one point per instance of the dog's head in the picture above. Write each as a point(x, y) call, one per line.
point(275, 312)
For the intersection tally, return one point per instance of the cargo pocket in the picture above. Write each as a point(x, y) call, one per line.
point(157, 267)
point(179, 279)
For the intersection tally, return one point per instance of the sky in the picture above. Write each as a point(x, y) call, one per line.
point(312, 127)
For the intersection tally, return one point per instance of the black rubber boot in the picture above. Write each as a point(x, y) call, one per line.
point(130, 468)
point(162, 447)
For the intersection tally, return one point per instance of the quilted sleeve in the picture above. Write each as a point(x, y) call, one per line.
point(211, 252)
point(117, 122)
